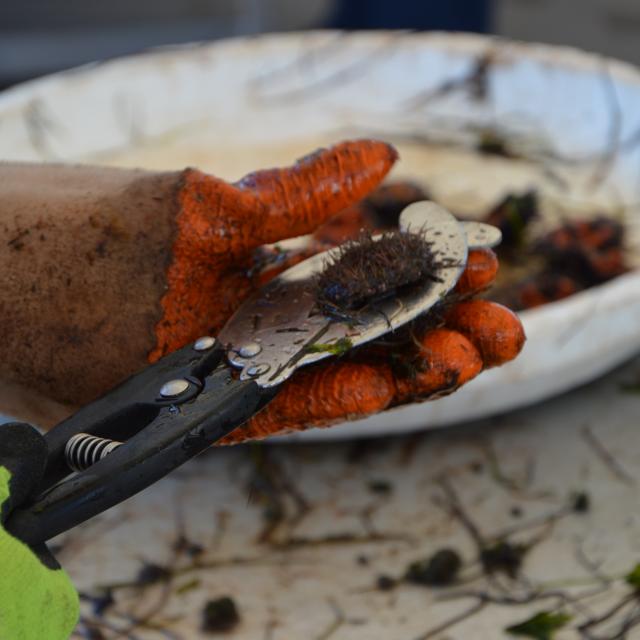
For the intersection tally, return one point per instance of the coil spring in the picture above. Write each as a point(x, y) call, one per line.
point(83, 450)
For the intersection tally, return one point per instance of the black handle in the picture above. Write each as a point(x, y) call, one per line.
point(175, 435)
point(129, 407)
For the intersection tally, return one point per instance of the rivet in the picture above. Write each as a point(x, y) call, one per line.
point(249, 350)
point(258, 369)
point(204, 343)
point(174, 388)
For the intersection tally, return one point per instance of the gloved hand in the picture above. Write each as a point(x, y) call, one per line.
point(37, 599)
point(106, 270)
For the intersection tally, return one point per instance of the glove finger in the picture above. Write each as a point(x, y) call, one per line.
point(23, 452)
point(480, 272)
point(320, 396)
point(443, 361)
point(220, 224)
point(323, 395)
point(300, 198)
point(495, 331)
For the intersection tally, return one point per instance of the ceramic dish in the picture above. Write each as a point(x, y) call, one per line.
point(570, 120)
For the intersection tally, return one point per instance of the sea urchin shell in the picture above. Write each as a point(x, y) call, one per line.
point(369, 269)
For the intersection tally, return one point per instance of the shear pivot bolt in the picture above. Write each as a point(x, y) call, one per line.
point(204, 343)
point(249, 350)
point(257, 369)
point(173, 388)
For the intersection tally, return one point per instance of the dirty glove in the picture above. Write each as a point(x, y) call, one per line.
point(37, 599)
point(105, 270)
point(110, 269)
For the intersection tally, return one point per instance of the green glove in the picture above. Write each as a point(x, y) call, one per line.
point(37, 599)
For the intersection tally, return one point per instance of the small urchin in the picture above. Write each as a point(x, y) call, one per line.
point(370, 269)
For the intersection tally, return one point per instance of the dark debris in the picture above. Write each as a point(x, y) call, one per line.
point(220, 615)
point(440, 570)
point(581, 502)
point(380, 486)
point(503, 557)
point(385, 583)
point(151, 573)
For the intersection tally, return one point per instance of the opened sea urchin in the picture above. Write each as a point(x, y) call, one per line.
point(367, 270)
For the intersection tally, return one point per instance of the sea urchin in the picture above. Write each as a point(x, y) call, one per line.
point(367, 270)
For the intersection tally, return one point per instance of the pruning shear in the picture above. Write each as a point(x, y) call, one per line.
point(174, 409)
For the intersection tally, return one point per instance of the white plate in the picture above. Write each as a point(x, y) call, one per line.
point(237, 105)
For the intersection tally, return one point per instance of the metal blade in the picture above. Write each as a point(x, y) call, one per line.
point(280, 329)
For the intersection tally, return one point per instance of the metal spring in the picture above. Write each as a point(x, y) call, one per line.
point(83, 450)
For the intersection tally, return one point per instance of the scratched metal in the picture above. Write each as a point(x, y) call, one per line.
point(284, 320)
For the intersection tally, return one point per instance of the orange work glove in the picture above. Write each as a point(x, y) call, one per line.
point(106, 270)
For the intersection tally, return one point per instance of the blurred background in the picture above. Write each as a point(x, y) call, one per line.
point(41, 36)
point(312, 539)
